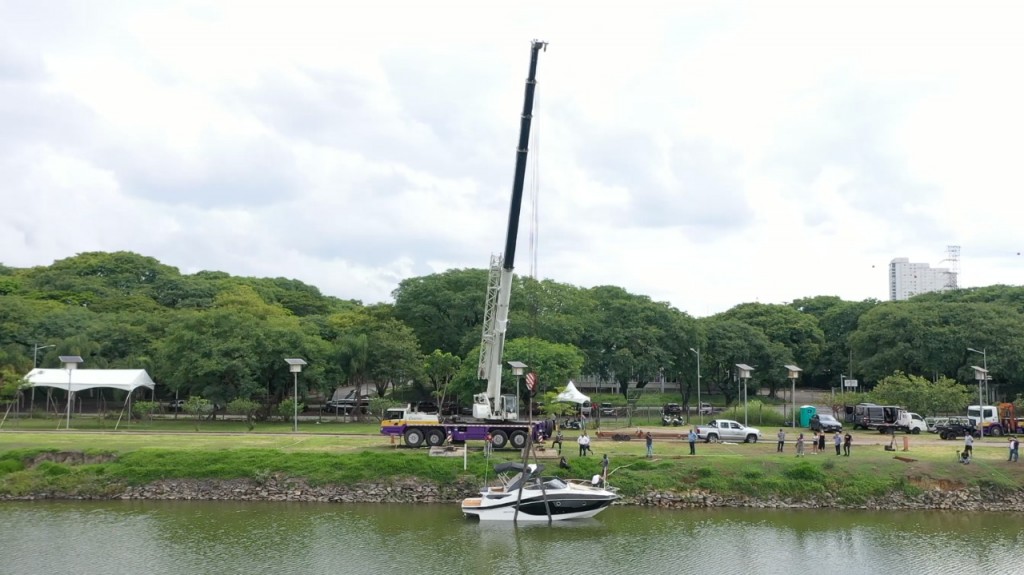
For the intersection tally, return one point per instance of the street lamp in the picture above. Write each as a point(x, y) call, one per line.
point(984, 365)
point(70, 363)
point(700, 413)
point(794, 373)
point(295, 366)
point(981, 374)
point(35, 353)
point(744, 375)
point(518, 369)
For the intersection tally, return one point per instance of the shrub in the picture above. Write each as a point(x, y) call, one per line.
point(804, 472)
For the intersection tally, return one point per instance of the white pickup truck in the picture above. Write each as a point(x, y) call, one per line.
point(727, 430)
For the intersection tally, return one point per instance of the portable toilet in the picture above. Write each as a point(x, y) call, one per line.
point(806, 413)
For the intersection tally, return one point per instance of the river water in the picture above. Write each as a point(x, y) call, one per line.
point(147, 537)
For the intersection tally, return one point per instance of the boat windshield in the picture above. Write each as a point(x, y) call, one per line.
point(554, 483)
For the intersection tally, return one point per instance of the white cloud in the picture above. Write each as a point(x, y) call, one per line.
point(704, 154)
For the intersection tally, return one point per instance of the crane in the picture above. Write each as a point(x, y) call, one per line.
point(490, 404)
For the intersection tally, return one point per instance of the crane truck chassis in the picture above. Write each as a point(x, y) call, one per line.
point(417, 429)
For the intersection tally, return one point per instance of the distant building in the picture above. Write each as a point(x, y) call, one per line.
point(909, 279)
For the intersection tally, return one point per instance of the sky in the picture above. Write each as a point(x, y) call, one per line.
point(704, 154)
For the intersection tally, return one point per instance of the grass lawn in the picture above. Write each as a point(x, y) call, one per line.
point(350, 452)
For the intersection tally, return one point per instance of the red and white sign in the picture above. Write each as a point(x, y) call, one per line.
point(531, 381)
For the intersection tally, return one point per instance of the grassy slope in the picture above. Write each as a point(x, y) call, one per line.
point(223, 452)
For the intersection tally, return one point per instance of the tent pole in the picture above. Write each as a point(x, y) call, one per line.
point(120, 415)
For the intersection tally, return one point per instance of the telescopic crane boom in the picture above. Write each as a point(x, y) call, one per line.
point(490, 405)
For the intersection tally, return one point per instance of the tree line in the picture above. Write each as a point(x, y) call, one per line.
point(225, 337)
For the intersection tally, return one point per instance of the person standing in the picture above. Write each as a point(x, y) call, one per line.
point(650, 445)
point(1014, 448)
point(584, 442)
point(1009, 441)
point(814, 444)
point(558, 441)
point(693, 441)
point(782, 441)
point(847, 442)
point(604, 467)
point(821, 441)
point(969, 444)
point(800, 445)
point(838, 440)
point(487, 444)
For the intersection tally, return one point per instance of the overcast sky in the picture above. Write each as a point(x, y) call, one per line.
point(701, 153)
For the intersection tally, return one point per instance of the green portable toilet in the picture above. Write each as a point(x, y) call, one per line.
point(806, 413)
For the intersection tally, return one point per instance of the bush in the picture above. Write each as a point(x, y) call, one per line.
point(145, 409)
point(10, 466)
point(804, 472)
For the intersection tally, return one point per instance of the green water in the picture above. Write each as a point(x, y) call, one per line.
point(112, 538)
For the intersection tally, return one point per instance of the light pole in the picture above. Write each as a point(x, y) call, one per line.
point(70, 363)
point(35, 353)
point(981, 374)
point(295, 366)
point(794, 373)
point(700, 412)
point(35, 364)
point(744, 375)
point(518, 369)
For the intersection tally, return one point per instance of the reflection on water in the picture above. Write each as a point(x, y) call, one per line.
point(185, 537)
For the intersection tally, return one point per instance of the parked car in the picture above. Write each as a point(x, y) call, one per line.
point(425, 406)
point(672, 409)
point(176, 404)
point(825, 422)
point(706, 409)
point(957, 427)
point(607, 409)
point(727, 430)
point(932, 422)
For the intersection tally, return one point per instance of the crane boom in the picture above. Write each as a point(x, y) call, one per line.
point(499, 287)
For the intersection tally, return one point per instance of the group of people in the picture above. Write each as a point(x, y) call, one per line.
point(843, 443)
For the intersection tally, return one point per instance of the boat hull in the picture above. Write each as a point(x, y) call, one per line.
point(532, 508)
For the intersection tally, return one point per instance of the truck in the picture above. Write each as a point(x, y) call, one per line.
point(493, 413)
point(884, 418)
point(727, 430)
point(996, 420)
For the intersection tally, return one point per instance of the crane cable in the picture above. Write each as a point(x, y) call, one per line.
point(533, 303)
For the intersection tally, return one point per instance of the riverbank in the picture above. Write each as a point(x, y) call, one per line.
point(411, 476)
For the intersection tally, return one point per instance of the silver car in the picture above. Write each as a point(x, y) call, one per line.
point(727, 430)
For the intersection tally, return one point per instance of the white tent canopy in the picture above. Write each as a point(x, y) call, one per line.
point(82, 379)
point(572, 395)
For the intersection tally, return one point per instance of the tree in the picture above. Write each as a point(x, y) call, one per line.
point(377, 349)
point(921, 395)
point(629, 338)
point(798, 332)
point(197, 407)
point(445, 311)
point(439, 368)
point(245, 407)
point(554, 364)
point(730, 342)
point(236, 349)
point(837, 319)
point(932, 338)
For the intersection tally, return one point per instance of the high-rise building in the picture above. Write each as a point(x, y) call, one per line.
point(908, 279)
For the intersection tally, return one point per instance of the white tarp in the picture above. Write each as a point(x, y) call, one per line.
point(571, 394)
point(82, 379)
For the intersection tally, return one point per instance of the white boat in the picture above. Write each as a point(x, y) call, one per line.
point(523, 488)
